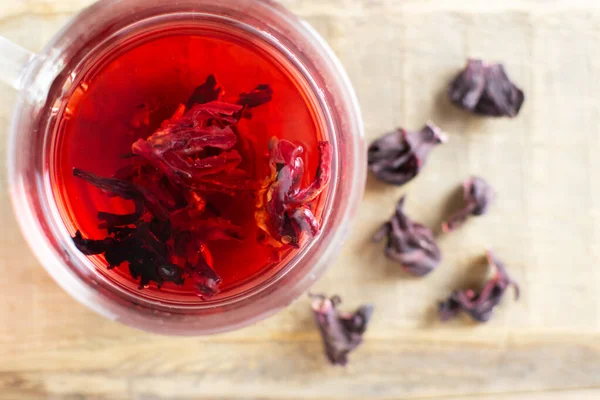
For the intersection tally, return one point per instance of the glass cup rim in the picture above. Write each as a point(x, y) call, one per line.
point(68, 279)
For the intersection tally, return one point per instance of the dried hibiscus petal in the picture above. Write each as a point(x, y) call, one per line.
point(399, 156)
point(262, 94)
point(485, 89)
point(477, 198)
point(341, 332)
point(480, 305)
point(409, 243)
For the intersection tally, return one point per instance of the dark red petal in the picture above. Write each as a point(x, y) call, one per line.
point(225, 161)
point(91, 247)
point(111, 186)
point(305, 221)
point(125, 190)
point(205, 93)
point(109, 220)
point(129, 172)
point(262, 94)
point(284, 152)
point(276, 205)
point(322, 178)
point(213, 137)
point(223, 113)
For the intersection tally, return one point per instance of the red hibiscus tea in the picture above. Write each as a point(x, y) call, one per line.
point(189, 163)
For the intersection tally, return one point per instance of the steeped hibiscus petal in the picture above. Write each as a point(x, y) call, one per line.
point(207, 92)
point(322, 178)
point(262, 94)
point(125, 190)
point(283, 211)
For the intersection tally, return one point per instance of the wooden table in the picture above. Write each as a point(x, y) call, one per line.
point(400, 55)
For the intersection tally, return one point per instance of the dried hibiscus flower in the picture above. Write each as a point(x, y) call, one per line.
point(485, 89)
point(283, 207)
point(480, 305)
point(409, 243)
point(341, 332)
point(478, 195)
point(399, 156)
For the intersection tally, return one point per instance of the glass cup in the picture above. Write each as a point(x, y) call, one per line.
point(45, 80)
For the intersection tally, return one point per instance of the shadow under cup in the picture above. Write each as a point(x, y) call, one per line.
point(51, 77)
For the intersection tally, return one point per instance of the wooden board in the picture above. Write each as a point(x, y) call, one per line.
point(546, 226)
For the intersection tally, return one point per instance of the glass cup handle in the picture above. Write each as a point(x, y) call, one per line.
point(14, 61)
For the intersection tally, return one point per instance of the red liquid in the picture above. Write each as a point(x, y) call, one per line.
point(128, 96)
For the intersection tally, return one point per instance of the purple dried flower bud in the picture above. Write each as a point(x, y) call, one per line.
point(480, 305)
point(399, 156)
point(341, 332)
point(478, 195)
point(485, 89)
point(409, 243)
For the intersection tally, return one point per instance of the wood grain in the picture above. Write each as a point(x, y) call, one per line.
point(400, 56)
